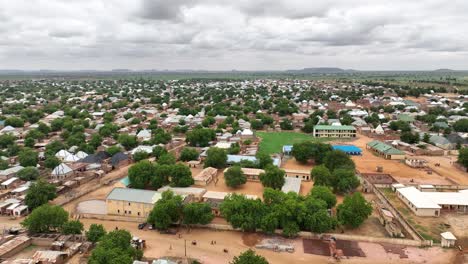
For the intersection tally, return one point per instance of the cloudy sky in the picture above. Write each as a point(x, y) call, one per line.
point(234, 34)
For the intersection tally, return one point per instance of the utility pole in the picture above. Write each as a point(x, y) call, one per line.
point(185, 247)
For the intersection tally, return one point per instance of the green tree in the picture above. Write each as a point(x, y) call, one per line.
point(337, 159)
point(321, 175)
point(197, 213)
point(95, 232)
point(127, 141)
point(45, 218)
point(461, 125)
point(141, 173)
point(273, 177)
point(286, 124)
point(28, 174)
point(234, 177)
point(325, 194)
point(410, 138)
point(115, 247)
point(200, 137)
point(28, 158)
point(167, 159)
point(14, 122)
point(72, 227)
point(249, 257)
point(344, 180)
point(181, 176)
point(216, 158)
point(3, 164)
point(39, 193)
point(161, 175)
point(6, 140)
point(158, 151)
point(140, 155)
point(112, 150)
point(242, 212)
point(188, 154)
point(354, 210)
point(305, 151)
point(427, 138)
point(51, 162)
point(263, 160)
point(463, 157)
point(166, 210)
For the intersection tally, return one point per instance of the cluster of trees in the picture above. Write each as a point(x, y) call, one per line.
point(305, 151)
point(171, 209)
point(50, 218)
point(215, 158)
point(463, 157)
point(114, 247)
point(39, 193)
point(289, 212)
point(200, 137)
point(146, 174)
point(293, 213)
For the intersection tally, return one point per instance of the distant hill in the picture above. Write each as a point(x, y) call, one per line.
point(321, 70)
point(444, 70)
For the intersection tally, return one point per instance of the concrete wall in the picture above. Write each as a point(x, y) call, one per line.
point(113, 218)
point(125, 208)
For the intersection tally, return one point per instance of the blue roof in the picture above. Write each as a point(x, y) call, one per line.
point(238, 158)
point(287, 148)
point(125, 181)
point(347, 148)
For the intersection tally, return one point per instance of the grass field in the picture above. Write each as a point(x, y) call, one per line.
point(273, 142)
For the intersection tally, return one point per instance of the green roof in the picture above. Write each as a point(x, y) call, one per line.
point(405, 118)
point(384, 148)
point(325, 127)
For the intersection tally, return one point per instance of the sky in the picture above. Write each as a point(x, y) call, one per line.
point(234, 34)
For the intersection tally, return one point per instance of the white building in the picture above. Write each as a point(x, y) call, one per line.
point(431, 203)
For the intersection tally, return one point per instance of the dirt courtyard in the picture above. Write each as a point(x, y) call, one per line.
point(403, 173)
point(236, 242)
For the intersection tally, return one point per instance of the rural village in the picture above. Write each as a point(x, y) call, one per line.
point(204, 171)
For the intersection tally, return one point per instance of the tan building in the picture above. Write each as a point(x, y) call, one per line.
point(251, 174)
point(131, 202)
point(334, 131)
point(214, 199)
point(301, 174)
point(205, 176)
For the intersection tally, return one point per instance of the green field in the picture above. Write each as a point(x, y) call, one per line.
point(273, 142)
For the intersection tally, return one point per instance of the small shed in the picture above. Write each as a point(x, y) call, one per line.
point(448, 239)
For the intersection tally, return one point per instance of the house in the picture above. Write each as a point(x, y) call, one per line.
point(384, 150)
point(10, 172)
point(144, 135)
point(300, 174)
point(11, 183)
point(194, 164)
point(287, 150)
point(430, 203)
point(447, 239)
point(131, 202)
point(62, 171)
point(119, 160)
point(205, 176)
point(334, 131)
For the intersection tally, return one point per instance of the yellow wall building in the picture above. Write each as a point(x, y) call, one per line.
point(131, 202)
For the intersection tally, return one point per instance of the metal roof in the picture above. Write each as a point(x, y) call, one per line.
point(384, 148)
point(134, 195)
point(325, 127)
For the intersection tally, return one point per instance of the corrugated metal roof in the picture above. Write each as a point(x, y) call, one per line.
point(134, 195)
point(325, 127)
point(384, 148)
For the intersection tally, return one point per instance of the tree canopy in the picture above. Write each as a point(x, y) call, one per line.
point(216, 158)
point(234, 177)
point(166, 210)
point(249, 257)
point(354, 210)
point(273, 177)
point(45, 218)
point(115, 247)
point(39, 193)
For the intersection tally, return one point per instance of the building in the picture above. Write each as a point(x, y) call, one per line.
point(447, 239)
point(205, 176)
point(334, 131)
point(431, 203)
point(131, 202)
point(384, 150)
point(301, 174)
point(119, 160)
point(348, 149)
point(61, 172)
point(194, 194)
point(252, 174)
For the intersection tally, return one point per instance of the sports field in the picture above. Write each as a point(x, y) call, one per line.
point(273, 142)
